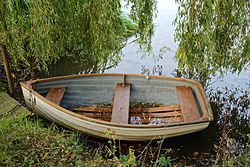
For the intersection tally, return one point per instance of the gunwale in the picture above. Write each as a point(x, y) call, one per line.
point(205, 118)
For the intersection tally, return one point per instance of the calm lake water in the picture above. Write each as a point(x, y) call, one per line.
point(134, 61)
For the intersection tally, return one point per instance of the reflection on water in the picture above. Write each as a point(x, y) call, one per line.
point(133, 60)
point(235, 105)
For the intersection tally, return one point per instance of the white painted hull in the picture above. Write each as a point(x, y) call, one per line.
point(136, 133)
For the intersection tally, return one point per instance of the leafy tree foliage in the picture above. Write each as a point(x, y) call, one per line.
point(142, 13)
point(213, 35)
point(40, 32)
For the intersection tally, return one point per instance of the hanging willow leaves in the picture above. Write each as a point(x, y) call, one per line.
point(40, 32)
point(142, 13)
point(213, 35)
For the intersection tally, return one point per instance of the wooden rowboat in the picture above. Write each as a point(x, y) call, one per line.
point(131, 106)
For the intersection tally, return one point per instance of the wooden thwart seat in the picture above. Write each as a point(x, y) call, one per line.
point(56, 94)
point(188, 103)
point(120, 111)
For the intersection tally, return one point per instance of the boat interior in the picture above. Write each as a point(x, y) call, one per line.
point(121, 110)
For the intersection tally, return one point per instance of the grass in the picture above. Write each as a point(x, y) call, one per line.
point(25, 142)
point(31, 141)
point(3, 85)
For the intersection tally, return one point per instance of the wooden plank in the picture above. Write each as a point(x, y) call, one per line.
point(96, 115)
point(142, 115)
point(134, 109)
point(152, 115)
point(164, 120)
point(93, 109)
point(188, 104)
point(172, 120)
point(99, 117)
point(55, 95)
point(156, 109)
point(144, 120)
point(120, 109)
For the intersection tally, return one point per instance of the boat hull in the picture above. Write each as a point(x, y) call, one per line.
point(136, 133)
